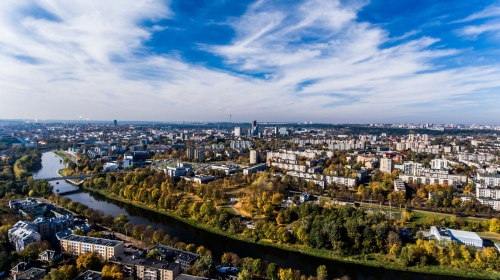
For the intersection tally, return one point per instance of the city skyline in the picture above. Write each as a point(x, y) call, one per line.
point(319, 61)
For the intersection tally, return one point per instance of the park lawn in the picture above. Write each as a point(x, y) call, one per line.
point(493, 236)
point(422, 216)
point(229, 210)
point(63, 155)
point(239, 207)
point(324, 200)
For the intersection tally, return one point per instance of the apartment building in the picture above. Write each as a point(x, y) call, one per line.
point(254, 169)
point(489, 179)
point(78, 245)
point(386, 165)
point(147, 268)
point(22, 234)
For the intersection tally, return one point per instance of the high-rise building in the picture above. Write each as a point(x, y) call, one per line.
point(190, 153)
point(284, 131)
point(254, 130)
point(199, 154)
point(237, 131)
point(254, 156)
point(386, 165)
point(115, 122)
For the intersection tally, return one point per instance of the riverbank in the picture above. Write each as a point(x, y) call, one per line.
point(371, 260)
point(65, 157)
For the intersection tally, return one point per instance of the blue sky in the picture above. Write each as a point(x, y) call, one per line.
point(320, 60)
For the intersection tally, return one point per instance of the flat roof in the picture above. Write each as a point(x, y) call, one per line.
point(132, 260)
point(92, 240)
point(459, 234)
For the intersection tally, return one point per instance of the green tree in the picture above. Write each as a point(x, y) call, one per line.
point(153, 254)
point(79, 231)
point(322, 273)
point(65, 272)
point(272, 270)
point(203, 266)
point(256, 264)
point(244, 275)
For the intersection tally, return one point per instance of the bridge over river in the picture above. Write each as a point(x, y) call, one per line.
point(80, 177)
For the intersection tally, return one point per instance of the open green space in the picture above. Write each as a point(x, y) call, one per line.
point(423, 216)
point(495, 237)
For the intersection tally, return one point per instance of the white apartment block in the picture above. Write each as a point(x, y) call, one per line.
point(322, 180)
point(489, 179)
point(412, 168)
point(434, 178)
point(495, 204)
point(482, 192)
point(386, 165)
point(479, 157)
point(78, 245)
point(22, 234)
point(439, 164)
point(399, 185)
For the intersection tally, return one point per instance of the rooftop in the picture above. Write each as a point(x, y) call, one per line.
point(132, 260)
point(460, 234)
point(89, 275)
point(92, 240)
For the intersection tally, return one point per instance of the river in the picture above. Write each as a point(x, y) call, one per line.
point(216, 243)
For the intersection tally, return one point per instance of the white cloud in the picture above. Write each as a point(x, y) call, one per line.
point(321, 64)
point(474, 30)
point(490, 11)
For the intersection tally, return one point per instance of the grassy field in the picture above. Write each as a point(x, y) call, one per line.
point(229, 210)
point(495, 237)
point(423, 216)
point(63, 155)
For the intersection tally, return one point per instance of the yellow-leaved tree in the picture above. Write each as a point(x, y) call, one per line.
point(111, 272)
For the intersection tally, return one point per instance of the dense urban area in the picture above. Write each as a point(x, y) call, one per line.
point(411, 197)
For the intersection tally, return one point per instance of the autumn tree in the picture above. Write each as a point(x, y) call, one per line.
point(244, 275)
point(89, 261)
point(322, 273)
point(65, 272)
point(111, 272)
point(285, 274)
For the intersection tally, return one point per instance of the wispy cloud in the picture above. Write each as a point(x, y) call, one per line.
point(472, 31)
point(313, 60)
point(488, 12)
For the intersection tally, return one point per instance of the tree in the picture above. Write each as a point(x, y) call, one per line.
point(111, 272)
point(246, 263)
point(272, 270)
point(153, 254)
point(393, 239)
point(256, 264)
point(79, 231)
point(65, 272)
point(203, 266)
point(494, 225)
point(89, 261)
point(322, 273)
point(244, 275)
point(285, 274)
point(190, 247)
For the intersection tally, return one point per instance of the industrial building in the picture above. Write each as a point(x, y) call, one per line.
point(460, 236)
